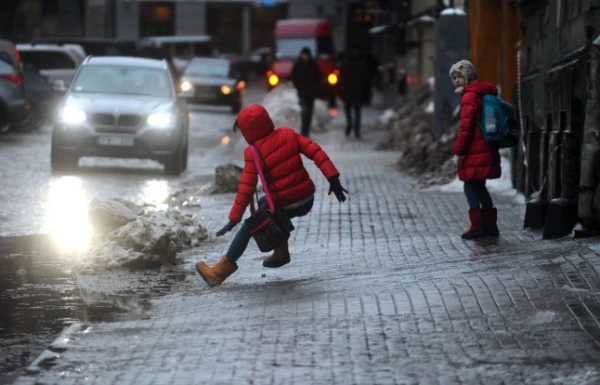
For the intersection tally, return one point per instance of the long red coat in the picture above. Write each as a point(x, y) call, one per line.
point(479, 160)
point(281, 149)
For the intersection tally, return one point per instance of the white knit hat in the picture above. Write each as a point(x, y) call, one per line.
point(466, 69)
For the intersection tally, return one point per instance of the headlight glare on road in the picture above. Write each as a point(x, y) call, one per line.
point(161, 120)
point(72, 116)
point(225, 90)
point(186, 86)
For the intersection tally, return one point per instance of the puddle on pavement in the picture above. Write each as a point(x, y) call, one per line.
point(39, 297)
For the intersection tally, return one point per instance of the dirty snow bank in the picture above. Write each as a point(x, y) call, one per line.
point(284, 108)
point(410, 130)
point(502, 186)
point(147, 239)
point(227, 179)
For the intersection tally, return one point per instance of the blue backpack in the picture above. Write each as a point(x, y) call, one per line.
point(499, 123)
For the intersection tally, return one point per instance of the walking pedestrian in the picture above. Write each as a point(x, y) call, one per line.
point(475, 159)
point(352, 87)
point(288, 181)
point(307, 79)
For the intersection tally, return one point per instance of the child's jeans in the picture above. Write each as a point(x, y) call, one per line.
point(241, 239)
point(478, 195)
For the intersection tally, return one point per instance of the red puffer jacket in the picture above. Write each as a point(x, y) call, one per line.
point(281, 150)
point(479, 160)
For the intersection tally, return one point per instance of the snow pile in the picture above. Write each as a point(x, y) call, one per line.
point(227, 179)
point(147, 240)
point(284, 107)
point(502, 186)
point(107, 215)
point(453, 11)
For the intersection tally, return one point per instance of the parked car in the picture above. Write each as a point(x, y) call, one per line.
point(256, 63)
point(41, 94)
point(181, 49)
point(11, 50)
point(58, 63)
point(95, 46)
point(213, 81)
point(122, 107)
point(14, 106)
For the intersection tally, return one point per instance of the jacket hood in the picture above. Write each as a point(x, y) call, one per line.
point(255, 123)
point(481, 88)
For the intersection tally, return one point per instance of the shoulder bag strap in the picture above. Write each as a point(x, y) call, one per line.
point(254, 151)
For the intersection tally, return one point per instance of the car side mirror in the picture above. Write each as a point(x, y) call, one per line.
point(59, 85)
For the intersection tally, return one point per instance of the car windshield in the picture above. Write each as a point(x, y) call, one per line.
point(291, 46)
point(121, 79)
point(208, 68)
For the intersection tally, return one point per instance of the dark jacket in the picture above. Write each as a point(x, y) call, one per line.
point(353, 79)
point(479, 160)
point(281, 148)
point(307, 78)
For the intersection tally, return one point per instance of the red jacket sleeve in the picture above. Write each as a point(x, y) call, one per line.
point(315, 153)
point(246, 188)
point(468, 124)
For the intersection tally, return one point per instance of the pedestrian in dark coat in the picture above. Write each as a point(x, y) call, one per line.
point(307, 79)
point(281, 150)
point(352, 88)
point(476, 160)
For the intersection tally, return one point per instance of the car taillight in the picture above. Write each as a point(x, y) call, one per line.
point(17, 79)
point(332, 79)
point(234, 60)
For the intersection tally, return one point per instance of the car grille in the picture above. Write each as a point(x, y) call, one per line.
point(129, 120)
point(103, 119)
point(126, 123)
point(208, 90)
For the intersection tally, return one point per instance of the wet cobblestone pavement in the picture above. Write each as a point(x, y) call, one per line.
point(381, 290)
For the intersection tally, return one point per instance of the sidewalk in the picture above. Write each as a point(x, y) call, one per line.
point(381, 290)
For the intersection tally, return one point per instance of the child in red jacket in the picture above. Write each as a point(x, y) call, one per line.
point(476, 160)
point(289, 184)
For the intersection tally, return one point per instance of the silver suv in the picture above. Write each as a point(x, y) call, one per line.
point(122, 107)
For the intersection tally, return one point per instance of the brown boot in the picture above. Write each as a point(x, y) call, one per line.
point(280, 257)
point(215, 275)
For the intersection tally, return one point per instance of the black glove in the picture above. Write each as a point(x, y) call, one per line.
point(336, 187)
point(227, 228)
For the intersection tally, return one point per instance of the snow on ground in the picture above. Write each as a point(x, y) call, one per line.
point(386, 117)
point(430, 108)
point(453, 11)
point(132, 239)
point(502, 186)
point(283, 106)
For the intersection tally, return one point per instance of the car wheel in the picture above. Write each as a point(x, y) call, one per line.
point(62, 160)
point(174, 166)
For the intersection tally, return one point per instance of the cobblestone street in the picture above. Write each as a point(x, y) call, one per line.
point(381, 290)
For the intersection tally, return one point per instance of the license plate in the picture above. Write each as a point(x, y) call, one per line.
point(123, 141)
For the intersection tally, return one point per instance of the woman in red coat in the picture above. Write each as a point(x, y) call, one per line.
point(476, 160)
point(289, 185)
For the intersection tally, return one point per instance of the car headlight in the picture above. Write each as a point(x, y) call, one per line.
point(225, 90)
point(186, 86)
point(161, 120)
point(72, 116)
